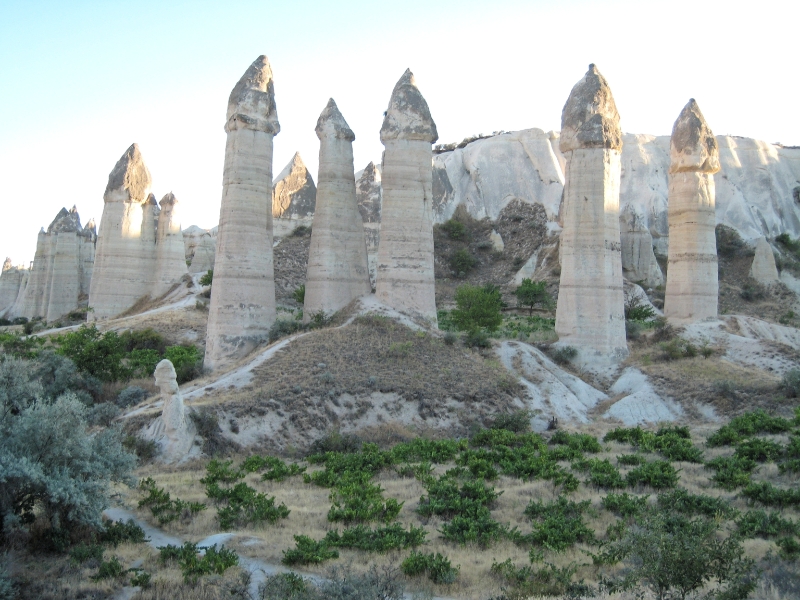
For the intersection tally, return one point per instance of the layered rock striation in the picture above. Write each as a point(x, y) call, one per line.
point(692, 275)
point(243, 296)
point(338, 270)
point(590, 311)
point(405, 279)
point(294, 198)
point(12, 280)
point(200, 248)
point(170, 249)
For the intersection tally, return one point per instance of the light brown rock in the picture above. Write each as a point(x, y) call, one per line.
point(338, 271)
point(763, 268)
point(172, 431)
point(405, 278)
point(590, 312)
point(243, 295)
point(11, 279)
point(692, 275)
point(170, 250)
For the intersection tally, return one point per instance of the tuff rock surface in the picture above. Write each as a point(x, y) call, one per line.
point(200, 248)
point(294, 197)
point(338, 271)
point(243, 296)
point(172, 431)
point(764, 269)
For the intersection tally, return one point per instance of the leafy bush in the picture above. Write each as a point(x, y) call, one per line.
point(109, 570)
point(84, 552)
point(163, 507)
point(633, 330)
point(769, 495)
point(631, 460)
point(450, 338)
point(462, 262)
point(791, 383)
point(676, 349)
point(759, 523)
point(283, 327)
point(681, 501)
point(59, 375)
point(658, 474)
point(336, 442)
point(753, 291)
point(759, 450)
point(731, 472)
point(299, 294)
point(625, 505)
point(343, 584)
point(455, 230)
point(636, 309)
point(477, 307)
point(102, 414)
point(121, 532)
point(130, 396)
point(436, 566)
point(207, 278)
point(582, 442)
point(477, 339)
point(187, 360)
point(558, 525)
point(307, 551)
point(516, 422)
point(193, 566)
point(563, 355)
point(602, 474)
point(98, 354)
point(746, 425)
point(145, 450)
point(532, 293)
point(381, 539)
point(143, 339)
point(276, 469)
point(287, 586)
point(140, 578)
point(356, 501)
point(789, 548)
point(527, 582)
point(247, 506)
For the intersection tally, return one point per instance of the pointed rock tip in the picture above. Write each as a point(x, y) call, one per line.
point(693, 146)
point(408, 116)
point(168, 199)
point(331, 123)
point(130, 174)
point(590, 118)
point(251, 104)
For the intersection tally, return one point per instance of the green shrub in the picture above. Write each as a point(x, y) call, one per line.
point(356, 501)
point(145, 450)
point(676, 349)
point(436, 566)
point(681, 501)
point(759, 523)
point(477, 307)
point(517, 422)
point(140, 578)
point(558, 525)
point(633, 330)
point(759, 450)
point(287, 586)
point(602, 474)
point(477, 339)
point(163, 507)
point(462, 262)
point(790, 384)
point(625, 505)
point(143, 339)
point(98, 354)
point(768, 495)
point(193, 566)
point(789, 548)
point(729, 242)
point(658, 474)
point(747, 425)
point(275, 469)
point(247, 506)
point(583, 442)
point(307, 551)
point(299, 294)
point(631, 460)
point(450, 338)
point(455, 230)
point(344, 584)
point(731, 472)
point(130, 396)
point(120, 532)
point(335, 442)
point(207, 278)
point(84, 552)
point(563, 355)
point(283, 327)
point(187, 360)
point(381, 539)
point(109, 570)
point(551, 581)
point(533, 293)
point(102, 414)
point(636, 309)
point(476, 528)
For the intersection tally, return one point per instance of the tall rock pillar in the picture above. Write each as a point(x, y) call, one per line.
point(243, 295)
point(590, 314)
point(338, 270)
point(692, 275)
point(170, 250)
point(123, 270)
point(405, 255)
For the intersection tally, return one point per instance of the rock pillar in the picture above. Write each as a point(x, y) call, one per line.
point(123, 267)
point(243, 295)
point(590, 314)
point(338, 271)
point(405, 255)
point(764, 270)
point(65, 276)
point(170, 250)
point(692, 275)
point(172, 431)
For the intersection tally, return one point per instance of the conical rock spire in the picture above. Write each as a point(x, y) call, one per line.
point(408, 116)
point(590, 118)
point(131, 175)
point(693, 146)
point(252, 102)
point(331, 123)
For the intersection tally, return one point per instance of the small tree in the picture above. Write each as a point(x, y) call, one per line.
point(95, 353)
point(208, 278)
point(530, 293)
point(478, 307)
point(299, 294)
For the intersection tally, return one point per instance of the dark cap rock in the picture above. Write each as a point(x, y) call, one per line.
point(408, 116)
point(590, 118)
point(331, 123)
point(252, 102)
point(693, 146)
point(131, 175)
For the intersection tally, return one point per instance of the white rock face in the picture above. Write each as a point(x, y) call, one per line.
point(369, 193)
point(172, 431)
point(338, 271)
point(200, 246)
point(763, 269)
point(243, 296)
point(590, 310)
point(640, 404)
point(11, 281)
point(137, 256)
point(692, 276)
point(61, 271)
point(294, 198)
point(170, 249)
point(405, 279)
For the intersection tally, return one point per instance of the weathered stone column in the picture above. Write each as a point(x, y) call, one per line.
point(405, 255)
point(32, 298)
point(65, 277)
point(692, 275)
point(170, 251)
point(243, 295)
point(764, 270)
point(338, 271)
point(123, 268)
point(590, 314)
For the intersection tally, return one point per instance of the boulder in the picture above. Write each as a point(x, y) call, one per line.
point(763, 268)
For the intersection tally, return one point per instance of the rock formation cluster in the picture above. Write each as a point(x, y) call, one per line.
point(338, 271)
point(12, 280)
point(692, 276)
point(140, 249)
point(405, 279)
point(590, 312)
point(243, 296)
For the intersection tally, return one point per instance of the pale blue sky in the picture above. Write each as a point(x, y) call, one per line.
point(81, 81)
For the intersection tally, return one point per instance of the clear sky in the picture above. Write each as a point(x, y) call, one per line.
point(81, 81)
